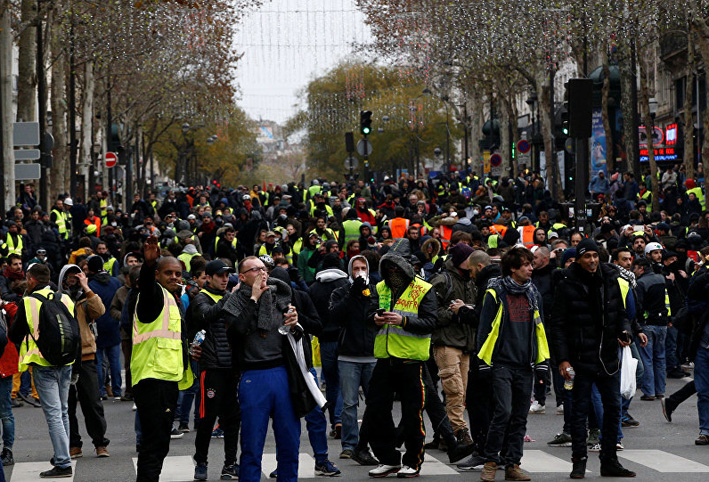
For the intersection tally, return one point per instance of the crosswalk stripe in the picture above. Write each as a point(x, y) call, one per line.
point(538, 461)
point(175, 468)
point(29, 471)
point(662, 461)
point(306, 465)
point(433, 466)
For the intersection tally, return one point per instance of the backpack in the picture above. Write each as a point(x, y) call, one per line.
point(59, 339)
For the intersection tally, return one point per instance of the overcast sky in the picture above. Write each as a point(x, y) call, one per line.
point(287, 43)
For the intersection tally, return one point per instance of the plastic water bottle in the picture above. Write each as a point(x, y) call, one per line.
point(569, 384)
point(283, 329)
point(199, 338)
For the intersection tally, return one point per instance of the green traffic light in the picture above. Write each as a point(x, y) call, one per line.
point(366, 130)
point(566, 131)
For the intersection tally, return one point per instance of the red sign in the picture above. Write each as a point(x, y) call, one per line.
point(671, 135)
point(111, 159)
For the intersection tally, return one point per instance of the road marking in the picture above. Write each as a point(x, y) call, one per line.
point(433, 466)
point(662, 461)
point(176, 468)
point(538, 461)
point(29, 471)
point(306, 465)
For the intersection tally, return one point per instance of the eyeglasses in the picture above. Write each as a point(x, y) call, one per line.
point(257, 268)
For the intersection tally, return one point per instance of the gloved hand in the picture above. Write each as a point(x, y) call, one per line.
point(358, 285)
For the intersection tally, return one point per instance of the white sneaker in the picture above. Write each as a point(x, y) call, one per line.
point(135, 407)
point(536, 408)
point(595, 448)
point(560, 409)
point(407, 472)
point(619, 446)
point(382, 470)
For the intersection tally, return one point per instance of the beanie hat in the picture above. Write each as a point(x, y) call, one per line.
point(585, 246)
point(459, 253)
point(95, 264)
point(568, 254)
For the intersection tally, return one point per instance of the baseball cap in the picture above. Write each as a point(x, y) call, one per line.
point(270, 233)
point(217, 267)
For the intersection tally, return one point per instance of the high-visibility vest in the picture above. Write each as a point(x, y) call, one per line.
point(103, 204)
point(700, 195)
point(157, 346)
point(61, 221)
point(313, 190)
point(29, 351)
point(329, 233)
point(351, 228)
point(398, 227)
point(393, 340)
point(446, 233)
point(488, 347)
point(187, 258)
point(213, 296)
point(328, 210)
point(108, 265)
point(216, 242)
point(97, 223)
point(10, 244)
point(526, 234)
point(288, 254)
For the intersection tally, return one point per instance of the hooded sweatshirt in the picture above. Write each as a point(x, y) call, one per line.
point(89, 307)
point(105, 286)
point(326, 281)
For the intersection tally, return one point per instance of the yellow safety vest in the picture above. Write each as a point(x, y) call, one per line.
point(187, 258)
point(29, 351)
point(216, 298)
point(216, 242)
point(10, 245)
point(489, 346)
point(351, 227)
point(103, 204)
point(157, 346)
point(393, 340)
point(108, 265)
point(61, 222)
point(700, 195)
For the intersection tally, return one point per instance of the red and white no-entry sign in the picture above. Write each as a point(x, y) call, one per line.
point(111, 159)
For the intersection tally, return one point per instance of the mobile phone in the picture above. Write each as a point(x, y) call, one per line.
point(625, 337)
point(380, 312)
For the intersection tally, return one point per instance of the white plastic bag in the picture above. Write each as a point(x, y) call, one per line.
point(627, 374)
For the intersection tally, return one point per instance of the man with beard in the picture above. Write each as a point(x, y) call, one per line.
point(14, 242)
point(73, 282)
point(12, 273)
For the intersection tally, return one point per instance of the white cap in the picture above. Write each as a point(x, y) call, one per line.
point(650, 247)
point(68, 201)
point(191, 216)
point(246, 197)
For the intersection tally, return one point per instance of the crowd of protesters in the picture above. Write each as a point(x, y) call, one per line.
point(481, 285)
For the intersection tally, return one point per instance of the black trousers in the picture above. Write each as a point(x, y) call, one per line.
point(436, 411)
point(156, 401)
point(682, 394)
point(511, 389)
point(479, 403)
point(217, 398)
point(86, 393)
point(404, 377)
point(609, 388)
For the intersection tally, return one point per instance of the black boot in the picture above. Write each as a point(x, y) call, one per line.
point(459, 452)
point(612, 468)
point(579, 469)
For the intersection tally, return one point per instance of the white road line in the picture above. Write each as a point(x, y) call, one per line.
point(433, 466)
point(306, 465)
point(177, 468)
point(29, 471)
point(662, 461)
point(538, 461)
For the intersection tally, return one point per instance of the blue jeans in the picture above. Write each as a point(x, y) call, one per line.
point(671, 348)
point(352, 376)
point(701, 381)
point(316, 423)
point(113, 354)
point(52, 384)
point(598, 409)
point(8, 420)
point(264, 394)
point(653, 357)
point(328, 356)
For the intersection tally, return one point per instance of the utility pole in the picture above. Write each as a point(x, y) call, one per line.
point(44, 157)
point(2, 142)
point(73, 142)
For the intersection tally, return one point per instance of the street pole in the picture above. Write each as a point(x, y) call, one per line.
point(448, 144)
point(581, 183)
point(42, 109)
point(73, 142)
point(109, 132)
point(2, 141)
point(466, 148)
point(635, 136)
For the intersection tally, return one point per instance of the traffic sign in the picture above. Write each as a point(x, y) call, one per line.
point(496, 160)
point(26, 154)
point(26, 172)
point(364, 147)
point(111, 159)
point(523, 146)
point(25, 134)
point(351, 163)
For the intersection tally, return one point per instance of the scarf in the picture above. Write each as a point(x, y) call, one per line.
point(11, 275)
point(272, 304)
point(509, 285)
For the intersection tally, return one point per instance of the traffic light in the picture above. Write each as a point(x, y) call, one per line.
point(365, 122)
point(565, 119)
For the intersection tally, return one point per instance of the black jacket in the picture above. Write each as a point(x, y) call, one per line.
point(204, 313)
point(587, 317)
point(542, 279)
point(350, 311)
point(320, 291)
point(650, 301)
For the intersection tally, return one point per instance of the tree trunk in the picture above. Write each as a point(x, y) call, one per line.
point(27, 64)
point(8, 117)
point(87, 116)
point(645, 66)
point(626, 103)
point(689, 151)
point(505, 147)
point(476, 127)
point(60, 169)
point(605, 111)
point(544, 80)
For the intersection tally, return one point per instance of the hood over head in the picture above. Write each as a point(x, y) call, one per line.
point(190, 249)
point(64, 273)
point(349, 267)
point(330, 275)
point(398, 255)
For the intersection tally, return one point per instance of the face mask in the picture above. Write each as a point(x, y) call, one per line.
point(475, 212)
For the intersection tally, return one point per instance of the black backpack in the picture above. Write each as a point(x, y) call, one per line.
point(59, 339)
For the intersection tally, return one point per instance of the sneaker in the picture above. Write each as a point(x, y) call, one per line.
point(230, 472)
point(364, 457)
point(336, 432)
point(346, 454)
point(217, 433)
point(407, 472)
point(703, 439)
point(75, 452)
point(16, 403)
point(560, 409)
point(117, 399)
point(562, 439)
point(459, 452)
point(273, 475)
point(629, 421)
point(102, 451)
point(7, 458)
point(184, 428)
point(537, 408)
point(474, 462)
point(515, 473)
point(200, 471)
point(594, 448)
point(619, 447)
point(56, 473)
point(127, 397)
point(668, 406)
point(135, 407)
point(579, 468)
point(327, 469)
point(647, 398)
point(488, 473)
point(594, 437)
point(612, 468)
point(176, 433)
point(382, 470)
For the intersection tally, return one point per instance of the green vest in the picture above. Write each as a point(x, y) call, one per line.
point(700, 195)
point(213, 296)
point(103, 204)
point(61, 222)
point(108, 265)
point(351, 227)
point(157, 346)
point(393, 340)
point(29, 351)
point(10, 244)
point(187, 258)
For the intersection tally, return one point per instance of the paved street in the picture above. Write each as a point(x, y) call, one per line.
point(656, 450)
